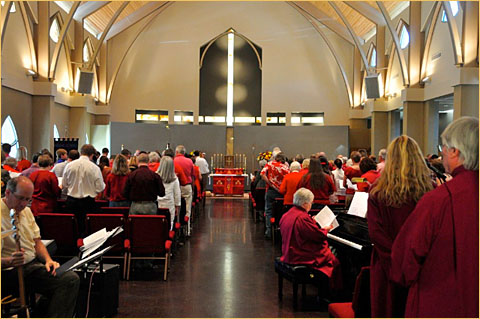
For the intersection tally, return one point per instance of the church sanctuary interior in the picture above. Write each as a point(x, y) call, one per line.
point(239, 159)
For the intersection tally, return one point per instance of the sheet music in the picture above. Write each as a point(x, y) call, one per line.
point(89, 240)
point(358, 207)
point(351, 185)
point(92, 257)
point(326, 217)
point(92, 246)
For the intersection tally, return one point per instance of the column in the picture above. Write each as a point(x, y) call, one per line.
point(430, 132)
point(465, 100)
point(79, 124)
point(379, 131)
point(415, 46)
point(413, 121)
point(394, 128)
point(358, 134)
point(42, 125)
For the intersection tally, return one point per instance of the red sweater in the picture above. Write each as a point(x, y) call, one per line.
point(23, 165)
point(289, 186)
point(322, 193)
point(45, 191)
point(114, 186)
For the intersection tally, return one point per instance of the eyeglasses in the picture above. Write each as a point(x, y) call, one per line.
point(23, 199)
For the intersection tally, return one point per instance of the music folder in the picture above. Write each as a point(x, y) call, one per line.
point(76, 262)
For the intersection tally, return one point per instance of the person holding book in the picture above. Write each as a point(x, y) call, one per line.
point(304, 241)
point(393, 197)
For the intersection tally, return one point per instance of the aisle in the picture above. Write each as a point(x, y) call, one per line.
point(224, 270)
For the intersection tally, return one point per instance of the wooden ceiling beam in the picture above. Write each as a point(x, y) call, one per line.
point(134, 17)
point(325, 19)
point(87, 8)
point(367, 11)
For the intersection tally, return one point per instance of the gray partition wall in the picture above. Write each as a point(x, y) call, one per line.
point(142, 136)
point(251, 140)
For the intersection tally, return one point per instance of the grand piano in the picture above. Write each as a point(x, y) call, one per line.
point(351, 244)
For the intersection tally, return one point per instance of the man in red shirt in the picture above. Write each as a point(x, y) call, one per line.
point(273, 173)
point(187, 165)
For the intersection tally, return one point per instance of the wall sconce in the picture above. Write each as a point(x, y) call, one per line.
point(31, 73)
point(426, 79)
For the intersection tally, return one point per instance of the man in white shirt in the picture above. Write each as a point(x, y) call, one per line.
point(59, 168)
point(202, 165)
point(382, 156)
point(83, 180)
point(38, 266)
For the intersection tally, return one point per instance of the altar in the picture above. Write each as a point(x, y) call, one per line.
point(229, 178)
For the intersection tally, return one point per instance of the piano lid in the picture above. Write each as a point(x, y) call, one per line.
point(352, 228)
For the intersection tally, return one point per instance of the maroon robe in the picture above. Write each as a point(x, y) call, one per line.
point(384, 222)
point(436, 251)
point(304, 242)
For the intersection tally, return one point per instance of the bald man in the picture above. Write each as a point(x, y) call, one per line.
point(38, 266)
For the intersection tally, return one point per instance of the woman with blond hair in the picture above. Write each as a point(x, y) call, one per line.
point(172, 198)
point(393, 197)
point(115, 182)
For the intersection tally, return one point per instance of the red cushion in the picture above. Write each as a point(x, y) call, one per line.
point(168, 245)
point(272, 220)
point(171, 234)
point(177, 225)
point(186, 218)
point(126, 243)
point(341, 310)
point(79, 242)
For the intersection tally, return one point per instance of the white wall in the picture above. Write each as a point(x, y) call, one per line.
point(162, 69)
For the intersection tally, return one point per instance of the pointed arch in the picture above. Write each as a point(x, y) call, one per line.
point(68, 47)
point(29, 33)
point(56, 134)
point(117, 69)
point(398, 30)
point(332, 50)
point(428, 39)
point(9, 135)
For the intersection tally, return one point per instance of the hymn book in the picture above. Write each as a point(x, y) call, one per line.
point(326, 218)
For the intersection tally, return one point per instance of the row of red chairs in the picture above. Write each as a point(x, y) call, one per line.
point(143, 236)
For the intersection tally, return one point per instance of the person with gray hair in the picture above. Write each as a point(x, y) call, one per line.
point(39, 268)
point(382, 156)
point(186, 165)
point(153, 161)
point(303, 240)
point(172, 198)
point(290, 183)
point(10, 164)
point(436, 251)
point(22, 161)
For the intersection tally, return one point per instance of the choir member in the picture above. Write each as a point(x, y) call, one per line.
point(436, 251)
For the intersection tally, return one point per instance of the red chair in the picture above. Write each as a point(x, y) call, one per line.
point(96, 222)
point(149, 234)
point(360, 305)
point(61, 227)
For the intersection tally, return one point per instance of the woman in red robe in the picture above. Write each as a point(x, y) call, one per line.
point(318, 182)
point(369, 173)
point(403, 182)
point(23, 162)
point(436, 251)
point(46, 189)
point(352, 171)
point(304, 242)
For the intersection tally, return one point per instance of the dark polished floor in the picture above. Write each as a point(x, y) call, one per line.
point(225, 269)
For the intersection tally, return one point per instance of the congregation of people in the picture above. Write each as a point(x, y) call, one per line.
point(422, 212)
point(143, 181)
point(422, 219)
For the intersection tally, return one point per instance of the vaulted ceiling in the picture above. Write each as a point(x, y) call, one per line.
point(360, 15)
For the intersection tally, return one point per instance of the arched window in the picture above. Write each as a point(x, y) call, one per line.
point(9, 135)
point(54, 30)
point(12, 8)
point(86, 52)
point(454, 7)
point(404, 38)
point(87, 141)
point(55, 132)
point(373, 58)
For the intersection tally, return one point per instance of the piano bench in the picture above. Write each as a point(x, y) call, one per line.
point(300, 274)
